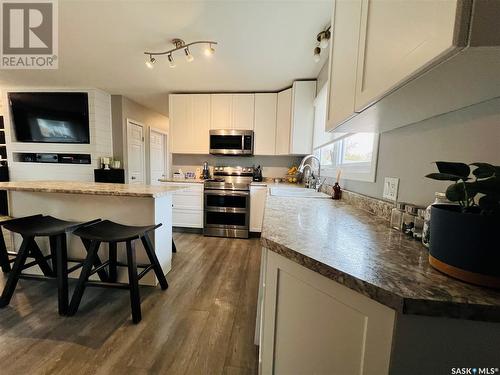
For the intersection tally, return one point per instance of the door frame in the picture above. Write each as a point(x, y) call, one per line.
point(164, 133)
point(130, 121)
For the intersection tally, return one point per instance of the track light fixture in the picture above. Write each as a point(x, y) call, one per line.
point(323, 39)
point(150, 62)
point(317, 54)
point(181, 45)
point(189, 57)
point(209, 50)
point(171, 61)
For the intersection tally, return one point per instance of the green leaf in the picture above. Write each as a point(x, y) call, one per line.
point(489, 204)
point(483, 170)
point(443, 177)
point(488, 186)
point(457, 169)
point(456, 193)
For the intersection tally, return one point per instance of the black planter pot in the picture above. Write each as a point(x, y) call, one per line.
point(465, 245)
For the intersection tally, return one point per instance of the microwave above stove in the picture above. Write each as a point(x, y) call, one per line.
point(231, 142)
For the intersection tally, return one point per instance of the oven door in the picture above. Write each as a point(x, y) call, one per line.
point(227, 212)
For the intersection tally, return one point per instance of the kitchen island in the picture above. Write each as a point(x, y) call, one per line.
point(82, 201)
point(342, 293)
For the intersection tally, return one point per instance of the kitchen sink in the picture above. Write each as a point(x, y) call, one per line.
point(297, 192)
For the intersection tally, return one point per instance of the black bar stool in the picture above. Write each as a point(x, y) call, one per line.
point(42, 226)
point(113, 233)
point(5, 256)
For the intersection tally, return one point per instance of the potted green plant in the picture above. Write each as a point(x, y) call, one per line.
point(465, 241)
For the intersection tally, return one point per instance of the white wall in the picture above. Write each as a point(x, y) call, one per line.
point(100, 142)
point(468, 135)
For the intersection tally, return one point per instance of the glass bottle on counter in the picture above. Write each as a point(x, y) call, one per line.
point(409, 217)
point(397, 216)
point(439, 198)
point(419, 224)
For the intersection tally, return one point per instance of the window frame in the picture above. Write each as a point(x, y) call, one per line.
point(350, 171)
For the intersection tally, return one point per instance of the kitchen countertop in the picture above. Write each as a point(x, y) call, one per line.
point(91, 188)
point(361, 252)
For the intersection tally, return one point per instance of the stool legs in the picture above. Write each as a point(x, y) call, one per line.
point(154, 261)
point(84, 275)
point(103, 275)
point(135, 299)
point(174, 248)
point(11, 283)
point(62, 273)
point(112, 262)
point(4, 255)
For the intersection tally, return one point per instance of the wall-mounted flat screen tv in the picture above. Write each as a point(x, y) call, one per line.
point(50, 117)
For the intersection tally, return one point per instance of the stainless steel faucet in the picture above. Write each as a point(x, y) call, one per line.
point(311, 181)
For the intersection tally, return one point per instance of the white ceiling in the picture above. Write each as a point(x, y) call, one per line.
point(263, 46)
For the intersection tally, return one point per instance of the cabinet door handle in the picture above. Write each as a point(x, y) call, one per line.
point(132, 178)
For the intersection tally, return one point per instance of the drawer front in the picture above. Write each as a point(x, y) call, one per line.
point(188, 188)
point(187, 218)
point(188, 201)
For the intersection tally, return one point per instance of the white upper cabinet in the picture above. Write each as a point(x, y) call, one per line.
point(222, 111)
point(265, 124)
point(232, 111)
point(189, 123)
point(395, 63)
point(399, 39)
point(302, 125)
point(243, 111)
point(295, 119)
point(283, 122)
point(346, 22)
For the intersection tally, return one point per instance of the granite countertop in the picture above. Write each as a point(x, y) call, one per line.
point(361, 252)
point(91, 188)
point(183, 180)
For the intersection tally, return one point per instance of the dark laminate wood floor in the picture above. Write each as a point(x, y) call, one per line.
point(203, 324)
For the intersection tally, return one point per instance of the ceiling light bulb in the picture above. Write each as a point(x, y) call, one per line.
point(317, 54)
point(189, 57)
point(209, 51)
point(171, 61)
point(150, 63)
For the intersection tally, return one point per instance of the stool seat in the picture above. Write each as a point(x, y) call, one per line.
point(109, 231)
point(41, 226)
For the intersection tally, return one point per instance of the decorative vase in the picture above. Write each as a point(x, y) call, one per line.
point(465, 245)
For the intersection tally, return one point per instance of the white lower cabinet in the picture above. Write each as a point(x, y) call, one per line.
point(187, 205)
point(310, 324)
point(258, 196)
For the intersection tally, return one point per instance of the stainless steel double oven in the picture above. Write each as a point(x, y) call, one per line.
point(227, 202)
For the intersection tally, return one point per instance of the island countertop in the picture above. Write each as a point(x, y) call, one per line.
point(361, 252)
point(90, 188)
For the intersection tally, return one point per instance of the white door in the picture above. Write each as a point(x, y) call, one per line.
point(157, 156)
point(135, 153)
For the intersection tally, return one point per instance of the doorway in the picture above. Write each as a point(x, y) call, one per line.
point(157, 155)
point(135, 153)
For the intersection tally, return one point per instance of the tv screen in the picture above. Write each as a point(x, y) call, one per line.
point(55, 117)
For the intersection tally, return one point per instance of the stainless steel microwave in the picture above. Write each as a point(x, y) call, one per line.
point(231, 142)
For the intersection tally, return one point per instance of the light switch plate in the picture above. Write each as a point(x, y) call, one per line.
point(391, 185)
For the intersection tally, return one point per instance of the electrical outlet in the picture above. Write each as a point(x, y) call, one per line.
point(391, 186)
